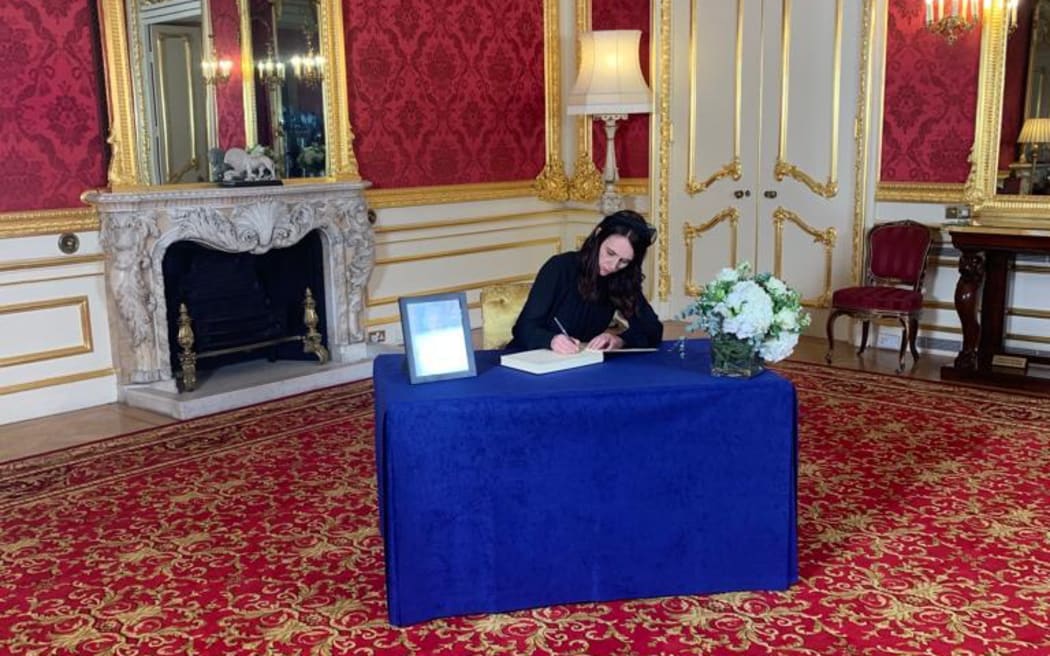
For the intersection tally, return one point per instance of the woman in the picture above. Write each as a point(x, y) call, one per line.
point(576, 294)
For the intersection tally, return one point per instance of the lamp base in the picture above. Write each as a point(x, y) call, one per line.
point(610, 201)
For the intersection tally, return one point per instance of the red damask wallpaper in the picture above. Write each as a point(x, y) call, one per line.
point(229, 97)
point(446, 92)
point(632, 135)
point(930, 100)
point(52, 104)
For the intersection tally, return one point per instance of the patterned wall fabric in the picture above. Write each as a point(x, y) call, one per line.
point(1014, 85)
point(632, 135)
point(52, 104)
point(229, 97)
point(930, 100)
point(446, 92)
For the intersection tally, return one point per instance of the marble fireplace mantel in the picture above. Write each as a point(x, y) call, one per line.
point(139, 226)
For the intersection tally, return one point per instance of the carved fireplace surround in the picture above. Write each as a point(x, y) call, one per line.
point(138, 227)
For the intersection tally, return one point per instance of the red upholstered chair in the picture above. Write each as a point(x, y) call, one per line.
point(893, 277)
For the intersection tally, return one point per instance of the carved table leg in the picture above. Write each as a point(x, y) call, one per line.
point(971, 274)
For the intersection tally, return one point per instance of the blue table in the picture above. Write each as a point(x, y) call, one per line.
point(643, 476)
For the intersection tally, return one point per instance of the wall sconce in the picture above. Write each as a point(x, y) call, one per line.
point(215, 70)
point(310, 67)
point(610, 86)
point(951, 18)
point(271, 69)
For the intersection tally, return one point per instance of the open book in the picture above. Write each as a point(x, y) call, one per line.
point(545, 361)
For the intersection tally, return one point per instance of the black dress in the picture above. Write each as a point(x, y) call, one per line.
point(555, 294)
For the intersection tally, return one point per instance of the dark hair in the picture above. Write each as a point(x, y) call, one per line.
point(624, 287)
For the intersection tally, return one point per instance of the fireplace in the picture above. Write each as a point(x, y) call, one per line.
point(140, 227)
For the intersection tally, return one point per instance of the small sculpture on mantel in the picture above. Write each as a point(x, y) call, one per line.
point(248, 167)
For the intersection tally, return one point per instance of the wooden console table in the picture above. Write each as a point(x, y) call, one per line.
point(987, 255)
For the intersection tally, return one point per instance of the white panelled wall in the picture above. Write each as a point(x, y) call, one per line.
point(54, 331)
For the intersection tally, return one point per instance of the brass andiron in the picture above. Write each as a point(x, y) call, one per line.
point(312, 338)
point(187, 359)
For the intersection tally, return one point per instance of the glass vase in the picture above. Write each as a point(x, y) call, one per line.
point(734, 358)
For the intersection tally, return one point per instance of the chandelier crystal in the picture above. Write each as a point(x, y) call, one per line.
point(953, 18)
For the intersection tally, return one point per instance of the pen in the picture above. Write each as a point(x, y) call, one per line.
point(561, 328)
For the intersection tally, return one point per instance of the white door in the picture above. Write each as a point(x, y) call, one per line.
point(763, 101)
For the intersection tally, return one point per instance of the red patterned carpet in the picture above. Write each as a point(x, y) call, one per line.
point(924, 528)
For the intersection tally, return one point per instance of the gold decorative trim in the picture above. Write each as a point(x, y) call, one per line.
point(552, 184)
point(1028, 313)
point(783, 168)
point(733, 168)
point(56, 380)
point(467, 251)
point(1017, 337)
point(932, 327)
point(339, 133)
point(251, 135)
point(87, 344)
point(388, 300)
point(48, 222)
point(691, 232)
point(662, 17)
point(79, 276)
point(862, 139)
point(825, 237)
point(39, 263)
point(586, 183)
point(436, 195)
point(633, 186)
point(123, 165)
point(920, 192)
point(430, 225)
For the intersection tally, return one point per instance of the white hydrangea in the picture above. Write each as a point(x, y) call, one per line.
point(778, 348)
point(727, 275)
point(786, 319)
point(750, 311)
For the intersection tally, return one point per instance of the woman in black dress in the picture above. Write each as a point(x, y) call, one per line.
point(576, 294)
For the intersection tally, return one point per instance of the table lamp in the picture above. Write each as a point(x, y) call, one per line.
point(610, 86)
point(1035, 131)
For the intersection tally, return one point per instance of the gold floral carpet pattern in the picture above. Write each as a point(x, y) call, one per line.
point(924, 528)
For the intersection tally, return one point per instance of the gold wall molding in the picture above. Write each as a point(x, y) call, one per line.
point(437, 195)
point(48, 222)
point(586, 183)
point(862, 139)
point(552, 184)
point(79, 276)
point(920, 192)
point(472, 250)
point(339, 134)
point(453, 223)
point(463, 287)
point(733, 167)
point(691, 232)
point(57, 380)
point(87, 345)
point(662, 17)
point(825, 237)
point(783, 167)
point(44, 262)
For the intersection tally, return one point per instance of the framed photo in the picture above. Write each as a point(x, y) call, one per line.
point(437, 337)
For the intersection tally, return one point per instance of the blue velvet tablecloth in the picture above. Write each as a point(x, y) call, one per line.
point(642, 476)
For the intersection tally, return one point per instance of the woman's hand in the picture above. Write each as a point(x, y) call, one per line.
point(605, 342)
point(565, 344)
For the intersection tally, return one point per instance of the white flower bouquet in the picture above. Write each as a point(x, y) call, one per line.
point(751, 319)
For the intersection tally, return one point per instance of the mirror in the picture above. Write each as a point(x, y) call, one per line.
point(1004, 102)
point(169, 124)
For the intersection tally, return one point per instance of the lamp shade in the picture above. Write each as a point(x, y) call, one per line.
point(1035, 130)
point(610, 78)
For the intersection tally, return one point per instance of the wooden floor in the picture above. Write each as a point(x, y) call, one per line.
point(59, 431)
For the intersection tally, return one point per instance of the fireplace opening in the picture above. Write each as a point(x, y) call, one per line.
point(235, 307)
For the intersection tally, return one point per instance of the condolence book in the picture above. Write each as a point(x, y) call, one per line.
point(545, 361)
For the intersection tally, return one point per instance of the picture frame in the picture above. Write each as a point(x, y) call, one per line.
point(436, 330)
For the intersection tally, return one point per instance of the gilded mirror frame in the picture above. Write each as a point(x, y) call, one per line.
point(127, 168)
point(990, 208)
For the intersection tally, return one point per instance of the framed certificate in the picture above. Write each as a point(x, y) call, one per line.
point(436, 329)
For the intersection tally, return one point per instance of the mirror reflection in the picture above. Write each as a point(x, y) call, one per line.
point(1024, 156)
point(209, 75)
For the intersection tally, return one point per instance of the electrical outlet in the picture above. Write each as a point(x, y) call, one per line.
point(957, 212)
point(376, 336)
